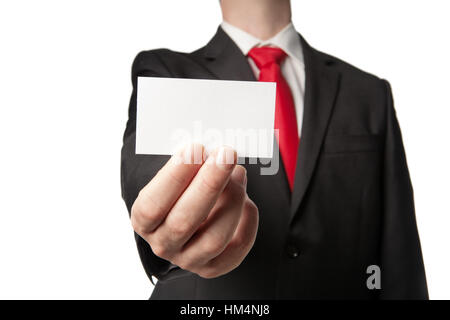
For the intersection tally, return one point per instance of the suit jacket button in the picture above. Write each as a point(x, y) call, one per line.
point(292, 251)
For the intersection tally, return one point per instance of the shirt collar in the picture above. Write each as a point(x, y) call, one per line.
point(287, 39)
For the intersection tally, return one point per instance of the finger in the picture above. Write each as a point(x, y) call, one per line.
point(157, 198)
point(198, 199)
point(239, 246)
point(216, 232)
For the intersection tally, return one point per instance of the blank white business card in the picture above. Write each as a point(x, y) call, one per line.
point(172, 112)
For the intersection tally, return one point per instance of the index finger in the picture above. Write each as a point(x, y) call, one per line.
point(194, 205)
point(157, 198)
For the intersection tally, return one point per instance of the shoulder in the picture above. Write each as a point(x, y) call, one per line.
point(348, 70)
point(356, 82)
point(164, 62)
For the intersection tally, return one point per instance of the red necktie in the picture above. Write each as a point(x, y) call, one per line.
point(268, 61)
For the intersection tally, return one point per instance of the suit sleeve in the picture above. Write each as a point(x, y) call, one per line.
point(402, 268)
point(138, 170)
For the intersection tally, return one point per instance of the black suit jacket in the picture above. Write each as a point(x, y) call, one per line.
point(352, 204)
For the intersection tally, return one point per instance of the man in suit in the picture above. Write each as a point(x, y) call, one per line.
point(340, 207)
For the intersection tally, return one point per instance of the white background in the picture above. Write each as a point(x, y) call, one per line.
point(64, 91)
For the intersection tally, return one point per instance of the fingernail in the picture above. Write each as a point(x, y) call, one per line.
point(178, 157)
point(226, 158)
point(191, 154)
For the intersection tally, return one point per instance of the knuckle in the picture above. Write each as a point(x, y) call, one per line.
point(145, 208)
point(213, 246)
point(136, 208)
point(137, 227)
point(160, 250)
point(178, 229)
point(136, 217)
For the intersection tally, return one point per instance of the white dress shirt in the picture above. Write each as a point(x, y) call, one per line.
point(292, 68)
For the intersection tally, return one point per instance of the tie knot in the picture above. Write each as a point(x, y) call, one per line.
point(265, 56)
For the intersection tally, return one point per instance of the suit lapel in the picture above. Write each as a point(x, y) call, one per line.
point(321, 86)
point(225, 60)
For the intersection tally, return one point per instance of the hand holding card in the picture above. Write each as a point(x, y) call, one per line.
point(197, 215)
